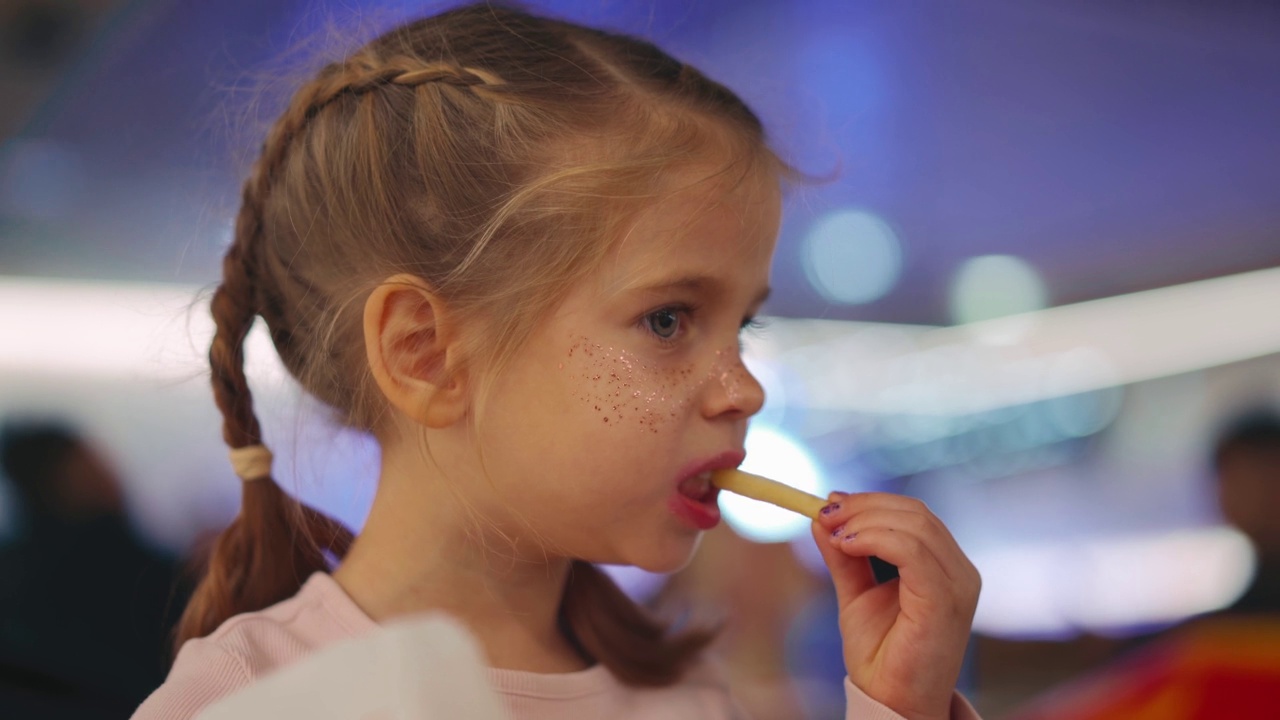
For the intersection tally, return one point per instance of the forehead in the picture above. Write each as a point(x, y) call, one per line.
point(721, 224)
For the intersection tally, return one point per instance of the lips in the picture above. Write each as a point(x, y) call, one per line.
point(694, 499)
point(695, 478)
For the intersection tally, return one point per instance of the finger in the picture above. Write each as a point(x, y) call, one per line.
point(925, 527)
point(850, 574)
point(918, 568)
point(843, 506)
point(846, 507)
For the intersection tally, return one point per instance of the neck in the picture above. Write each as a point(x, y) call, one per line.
point(420, 552)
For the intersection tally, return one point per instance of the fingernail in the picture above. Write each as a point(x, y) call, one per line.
point(850, 536)
point(830, 508)
point(837, 532)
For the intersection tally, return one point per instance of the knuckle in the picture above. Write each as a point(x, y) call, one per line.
point(921, 523)
point(917, 548)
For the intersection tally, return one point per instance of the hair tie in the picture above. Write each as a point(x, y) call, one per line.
point(252, 462)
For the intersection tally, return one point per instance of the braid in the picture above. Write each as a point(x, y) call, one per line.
point(233, 311)
point(276, 542)
point(339, 80)
point(397, 71)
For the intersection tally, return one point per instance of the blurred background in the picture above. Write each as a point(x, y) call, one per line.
point(1042, 280)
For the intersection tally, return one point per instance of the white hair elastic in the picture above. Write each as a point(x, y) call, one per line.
point(252, 462)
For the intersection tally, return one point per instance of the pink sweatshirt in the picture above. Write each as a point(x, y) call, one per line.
point(249, 646)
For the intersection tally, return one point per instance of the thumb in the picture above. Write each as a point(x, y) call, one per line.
point(851, 575)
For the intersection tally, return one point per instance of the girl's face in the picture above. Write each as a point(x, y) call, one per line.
point(636, 383)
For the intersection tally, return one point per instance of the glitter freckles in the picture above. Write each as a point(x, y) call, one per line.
point(628, 392)
point(731, 374)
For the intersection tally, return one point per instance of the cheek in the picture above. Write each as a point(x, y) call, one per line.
point(624, 394)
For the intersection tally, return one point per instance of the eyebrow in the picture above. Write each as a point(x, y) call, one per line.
point(704, 284)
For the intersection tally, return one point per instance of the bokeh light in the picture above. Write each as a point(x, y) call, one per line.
point(852, 257)
point(992, 286)
point(775, 455)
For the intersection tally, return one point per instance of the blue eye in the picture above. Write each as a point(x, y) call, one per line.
point(664, 323)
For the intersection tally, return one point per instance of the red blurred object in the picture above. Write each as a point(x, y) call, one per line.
point(1208, 670)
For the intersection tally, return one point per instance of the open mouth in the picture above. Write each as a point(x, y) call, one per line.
point(695, 501)
point(699, 488)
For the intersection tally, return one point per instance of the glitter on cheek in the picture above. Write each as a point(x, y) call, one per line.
point(669, 398)
point(601, 379)
point(619, 386)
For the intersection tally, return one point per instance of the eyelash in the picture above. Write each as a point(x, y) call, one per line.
point(686, 312)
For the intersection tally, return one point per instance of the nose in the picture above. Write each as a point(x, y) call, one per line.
point(732, 389)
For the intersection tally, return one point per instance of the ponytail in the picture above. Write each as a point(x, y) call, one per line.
point(636, 647)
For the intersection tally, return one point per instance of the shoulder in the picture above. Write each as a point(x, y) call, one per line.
point(249, 646)
point(203, 672)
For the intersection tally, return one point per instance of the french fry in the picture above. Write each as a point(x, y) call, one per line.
point(770, 491)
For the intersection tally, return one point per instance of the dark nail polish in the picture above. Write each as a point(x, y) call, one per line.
point(830, 508)
point(836, 533)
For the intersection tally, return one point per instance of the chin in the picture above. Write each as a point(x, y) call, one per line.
point(665, 557)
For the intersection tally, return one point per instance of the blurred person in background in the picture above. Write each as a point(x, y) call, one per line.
point(1246, 461)
point(1224, 664)
point(86, 607)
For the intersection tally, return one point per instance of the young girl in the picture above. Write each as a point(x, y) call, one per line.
point(519, 252)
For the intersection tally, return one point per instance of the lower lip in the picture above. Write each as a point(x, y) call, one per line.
point(702, 515)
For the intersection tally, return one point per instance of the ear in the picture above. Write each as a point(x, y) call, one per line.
point(412, 351)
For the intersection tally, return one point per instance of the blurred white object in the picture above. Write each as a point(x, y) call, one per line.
point(429, 668)
point(1110, 585)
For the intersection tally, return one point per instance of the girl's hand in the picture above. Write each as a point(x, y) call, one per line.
point(904, 641)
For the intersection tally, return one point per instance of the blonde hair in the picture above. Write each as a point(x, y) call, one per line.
point(494, 154)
